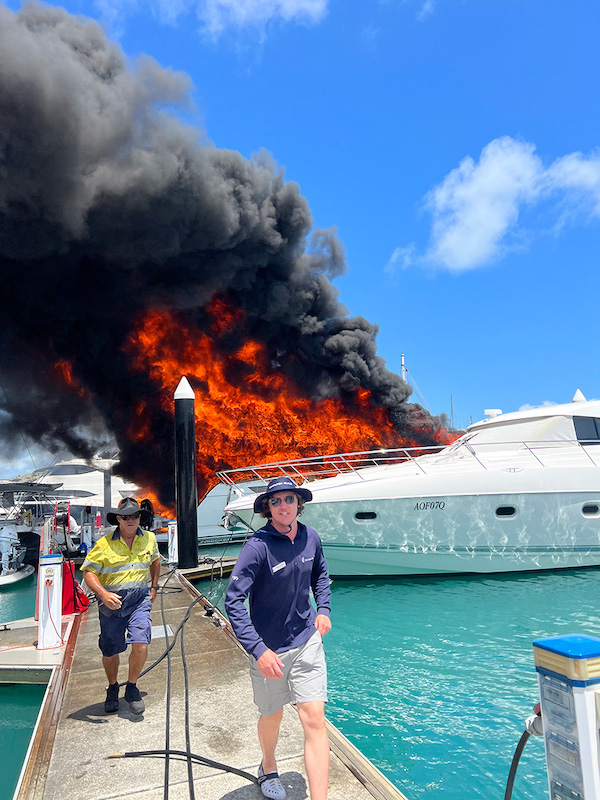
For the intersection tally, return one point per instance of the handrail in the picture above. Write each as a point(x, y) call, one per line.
point(316, 467)
point(320, 466)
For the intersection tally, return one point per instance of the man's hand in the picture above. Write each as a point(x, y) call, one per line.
point(111, 600)
point(323, 624)
point(270, 665)
point(152, 595)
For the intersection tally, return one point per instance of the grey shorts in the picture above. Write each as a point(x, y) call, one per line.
point(304, 678)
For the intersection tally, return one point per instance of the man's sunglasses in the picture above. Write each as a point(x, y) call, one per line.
point(290, 499)
point(130, 516)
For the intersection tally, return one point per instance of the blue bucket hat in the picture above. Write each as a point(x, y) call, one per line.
point(281, 485)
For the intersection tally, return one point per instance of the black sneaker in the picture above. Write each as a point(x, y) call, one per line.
point(134, 698)
point(111, 704)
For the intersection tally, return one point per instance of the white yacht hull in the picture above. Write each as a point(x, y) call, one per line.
point(517, 492)
point(458, 534)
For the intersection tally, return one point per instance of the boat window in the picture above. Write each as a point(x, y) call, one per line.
point(506, 511)
point(590, 509)
point(587, 429)
point(71, 469)
point(365, 516)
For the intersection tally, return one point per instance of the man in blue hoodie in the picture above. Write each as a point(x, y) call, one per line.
point(282, 634)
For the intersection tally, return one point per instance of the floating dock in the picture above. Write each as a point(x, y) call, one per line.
point(71, 748)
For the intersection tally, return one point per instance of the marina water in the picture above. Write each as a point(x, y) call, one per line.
point(19, 704)
point(431, 678)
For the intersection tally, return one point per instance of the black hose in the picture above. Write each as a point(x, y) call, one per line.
point(172, 644)
point(175, 635)
point(187, 720)
point(167, 753)
point(168, 700)
point(185, 755)
point(514, 764)
point(219, 560)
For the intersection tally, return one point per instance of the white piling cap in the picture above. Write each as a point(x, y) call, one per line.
point(184, 391)
point(578, 397)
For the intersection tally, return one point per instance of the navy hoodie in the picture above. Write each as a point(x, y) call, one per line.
point(276, 575)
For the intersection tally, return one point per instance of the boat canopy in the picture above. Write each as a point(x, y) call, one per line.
point(577, 420)
point(550, 429)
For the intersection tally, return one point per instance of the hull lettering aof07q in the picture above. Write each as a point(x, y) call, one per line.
point(430, 505)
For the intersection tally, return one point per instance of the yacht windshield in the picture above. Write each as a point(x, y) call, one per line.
point(587, 429)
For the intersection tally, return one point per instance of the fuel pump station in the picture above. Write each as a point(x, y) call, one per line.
point(568, 670)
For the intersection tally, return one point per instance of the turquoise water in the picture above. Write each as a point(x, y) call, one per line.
point(19, 704)
point(432, 679)
point(18, 600)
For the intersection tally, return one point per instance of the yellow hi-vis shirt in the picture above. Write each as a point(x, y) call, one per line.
point(118, 568)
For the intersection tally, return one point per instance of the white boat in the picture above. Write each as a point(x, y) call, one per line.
point(211, 527)
point(82, 483)
point(82, 487)
point(516, 492)
point(12, 555)
point(79, 485)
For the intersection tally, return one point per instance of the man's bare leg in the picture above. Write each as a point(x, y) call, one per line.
point(316, 748)
point(111, 667)
point(268, 734)
point(137, 659)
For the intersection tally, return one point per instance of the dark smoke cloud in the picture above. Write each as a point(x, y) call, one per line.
point(110, 206)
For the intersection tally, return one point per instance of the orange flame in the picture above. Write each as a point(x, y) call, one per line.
point(159, 509)
point(65, 371)
point(261, 416)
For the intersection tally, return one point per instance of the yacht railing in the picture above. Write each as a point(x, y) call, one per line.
point(489, 455)
point(315, 467)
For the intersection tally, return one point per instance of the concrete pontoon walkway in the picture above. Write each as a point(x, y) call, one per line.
point(222, 723)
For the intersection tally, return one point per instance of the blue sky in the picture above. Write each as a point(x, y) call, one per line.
point(452, 143)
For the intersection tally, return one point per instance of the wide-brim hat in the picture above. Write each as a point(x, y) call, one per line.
point(281, 485)
point(127, 506)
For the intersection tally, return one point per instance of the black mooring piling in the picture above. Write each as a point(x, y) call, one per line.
point(186, 493)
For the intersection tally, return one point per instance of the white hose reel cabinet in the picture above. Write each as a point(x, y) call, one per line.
point(568, 670)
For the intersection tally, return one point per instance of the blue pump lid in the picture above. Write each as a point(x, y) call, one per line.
point(571, 645)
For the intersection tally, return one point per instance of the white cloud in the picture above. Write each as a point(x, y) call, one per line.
point(579, 177)
point(477, 203)
point(370, 36)
point(543, 404)
point(23, 461)
point(169, 11)
point(426, 9)
point(115, 11)
point(401, 258)
point(217, 15)
point(477, 208)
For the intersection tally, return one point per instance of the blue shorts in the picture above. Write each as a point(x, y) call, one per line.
point(117, 632)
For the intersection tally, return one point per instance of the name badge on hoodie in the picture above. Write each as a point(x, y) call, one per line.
point(277, 567)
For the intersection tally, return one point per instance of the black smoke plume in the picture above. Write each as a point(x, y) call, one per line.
point(110, 206)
